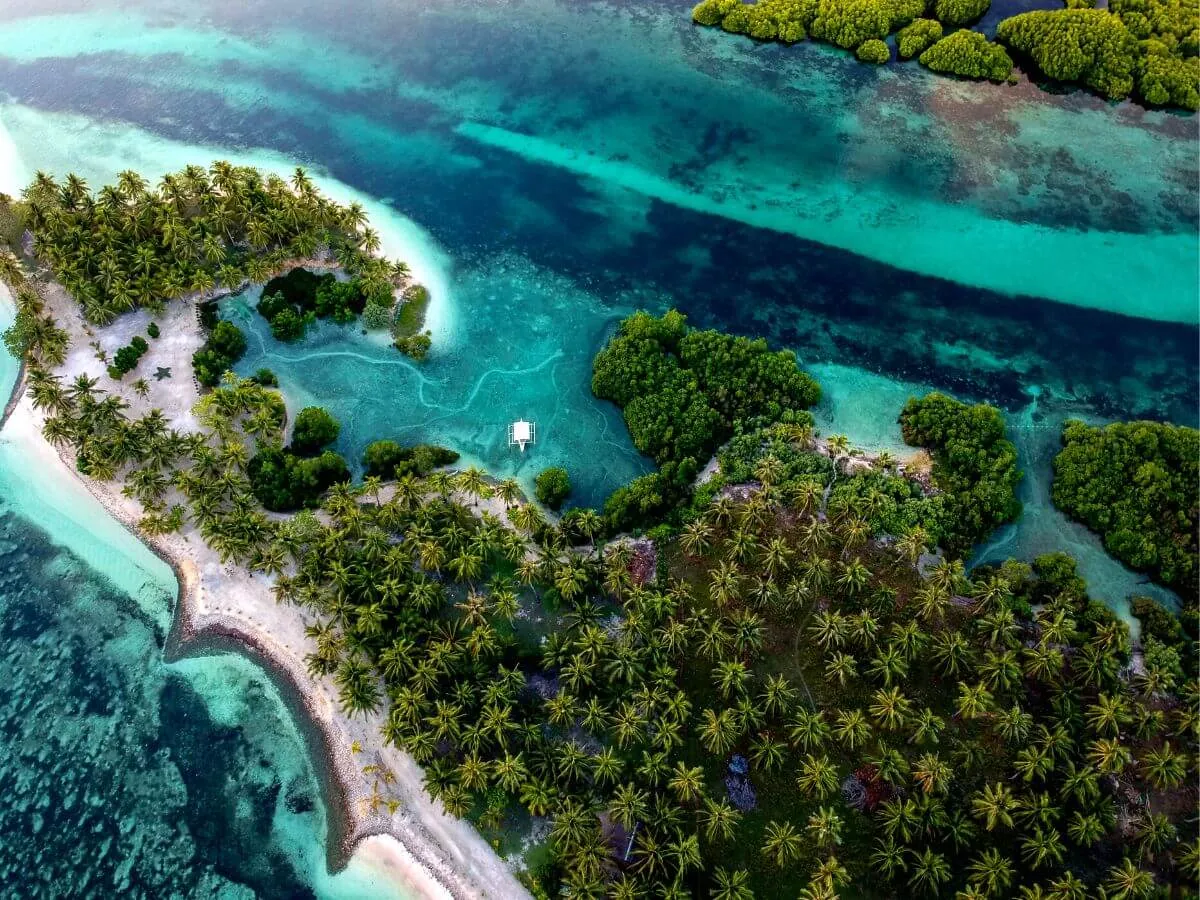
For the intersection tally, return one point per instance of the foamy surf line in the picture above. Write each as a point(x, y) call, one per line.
point(62, 143)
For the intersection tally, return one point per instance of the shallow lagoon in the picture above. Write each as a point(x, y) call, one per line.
point(569, 162)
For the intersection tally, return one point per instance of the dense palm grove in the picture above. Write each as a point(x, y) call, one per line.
point(785, 693)
point(132, 245)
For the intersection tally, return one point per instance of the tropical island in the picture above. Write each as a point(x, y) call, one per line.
point(763, 669)
point(1149, 49)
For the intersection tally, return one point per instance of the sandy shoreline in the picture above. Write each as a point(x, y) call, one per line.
point(418, 850)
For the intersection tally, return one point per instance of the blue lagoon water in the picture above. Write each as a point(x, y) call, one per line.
point(556, 164)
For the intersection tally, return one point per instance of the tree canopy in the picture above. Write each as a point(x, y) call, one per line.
point(1134, 483)
point(974, 464)
point(969, 54)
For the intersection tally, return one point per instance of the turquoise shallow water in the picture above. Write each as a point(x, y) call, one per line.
point(568, 162)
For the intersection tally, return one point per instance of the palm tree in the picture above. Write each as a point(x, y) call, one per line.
point(1127, 882)
point(1085, 829)
point(855, 577)
point(890, 708)
point(629, 805)
point(1154, 834)
point(719, 731)
point(781, 843)
point(719, 820)
point(852, 728)
point(994, 806)
point(1164, 768)
point(926, 726)
point(930, 871)
point(913, 544)
point(1109, 756)
point(841, 667)
point(889, 858)
point(1108, 714)
point(932, 773)
point(888, 665)
point(808, 730)
point(951, 652)
point(688, 784)
point(825, 828)
point(732, 884)
point(1042, 848)
point(974, 700)
point(991, 871)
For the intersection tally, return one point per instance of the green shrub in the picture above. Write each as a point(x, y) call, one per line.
point(388, 459)
point(265, 377)
point(969, 54)
point(287, 325)
point(959, 12)
point(415, 346)
point(410, 317)
point(315, 428)
point(848, 23)
point(552, 486)
point(1087, 46)
point(342, 301)
point(283, 481)
point(225, 346)
point(126, 359)
point(873, 51)
point(1168, 81)
point(377, 316)
point(298, 288)
point(914, 39)
point(152, 329)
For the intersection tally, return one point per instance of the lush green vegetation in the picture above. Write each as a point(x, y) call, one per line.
point(33, 335)
point(314, 430)
point(779, 703)
point(125, 360)
point(873, 51)
point(683, 391)
point(283, 480)
point(132, 245)
point(789, 708)
point(975, 466)
point(1147, 47)
point(388, 459)
point(1135, 485)
point(959, 12)
point(552, 486)
point(915, 38)
point(969, 54)
point(407, 327)
point(224, 346)
point(293, 301)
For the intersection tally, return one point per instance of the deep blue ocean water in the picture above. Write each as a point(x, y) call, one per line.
point(565, 163)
